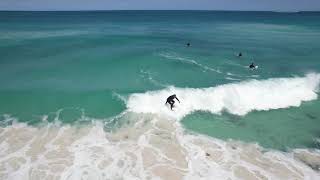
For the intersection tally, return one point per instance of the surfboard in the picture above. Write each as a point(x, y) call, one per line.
point(175, 106)
point(256, 67)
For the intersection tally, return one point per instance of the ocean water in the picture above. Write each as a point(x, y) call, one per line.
point(82, 95)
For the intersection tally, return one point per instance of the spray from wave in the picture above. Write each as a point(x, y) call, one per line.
point(237, 98)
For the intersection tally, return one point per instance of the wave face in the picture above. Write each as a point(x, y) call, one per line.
point(237, 98)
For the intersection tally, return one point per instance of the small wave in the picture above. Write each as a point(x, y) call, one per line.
point(236, 98)
point(40, 34)
point(232, 79)
point(233, 63)
point(234, 75)
point(147, 75)
point(255, 76)
point(120, 97)
point(189, 61)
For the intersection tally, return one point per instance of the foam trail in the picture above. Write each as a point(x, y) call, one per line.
point(189, 61)
point(236, 98)
point(232, 79)
point(233, 63)
point(119, 96)
point(147, 75)
point(40, 34)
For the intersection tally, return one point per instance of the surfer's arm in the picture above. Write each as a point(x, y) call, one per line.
point(178, 99)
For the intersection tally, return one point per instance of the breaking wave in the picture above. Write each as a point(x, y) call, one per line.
point(152, 146)
point(236, 98)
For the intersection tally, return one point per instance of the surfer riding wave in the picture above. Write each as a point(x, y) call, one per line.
point(170, 100)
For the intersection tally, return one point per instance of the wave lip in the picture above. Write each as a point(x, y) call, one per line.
point(235, 98)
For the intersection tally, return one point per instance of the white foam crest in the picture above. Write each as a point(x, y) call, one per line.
point(189, 61)
point(236, 98)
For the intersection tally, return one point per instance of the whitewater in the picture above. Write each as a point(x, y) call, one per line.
point(236, 98)
point(152, 144)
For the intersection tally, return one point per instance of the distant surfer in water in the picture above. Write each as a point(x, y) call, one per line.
point(188, 44)
point(170, 100)
point(252, 66)
point(240, 54)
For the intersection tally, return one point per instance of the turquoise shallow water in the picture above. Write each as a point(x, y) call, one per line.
point(80, 62)
point(280, 129)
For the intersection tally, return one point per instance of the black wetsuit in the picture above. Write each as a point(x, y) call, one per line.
point(252, 66)
point(170, 100)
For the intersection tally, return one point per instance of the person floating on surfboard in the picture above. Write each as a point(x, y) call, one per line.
point(170, 100)
point(252, 66)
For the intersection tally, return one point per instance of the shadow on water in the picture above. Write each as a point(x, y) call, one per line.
point(311, 116)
